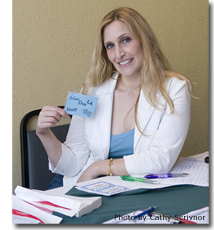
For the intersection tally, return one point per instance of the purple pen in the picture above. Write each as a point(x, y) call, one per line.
point(167, 175)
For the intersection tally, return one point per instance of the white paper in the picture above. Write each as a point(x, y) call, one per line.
point(195, 166)
point(200, 216)
point(20, 205)
point(24, 220)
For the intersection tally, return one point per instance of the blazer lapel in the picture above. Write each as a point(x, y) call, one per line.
point(103, 113)
point(145, 111)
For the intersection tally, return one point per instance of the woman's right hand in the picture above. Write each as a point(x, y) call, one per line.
point(48, 117)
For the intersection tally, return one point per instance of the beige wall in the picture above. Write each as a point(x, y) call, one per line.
point(52, 47)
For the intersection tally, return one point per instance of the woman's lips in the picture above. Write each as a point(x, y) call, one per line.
point(122, 63)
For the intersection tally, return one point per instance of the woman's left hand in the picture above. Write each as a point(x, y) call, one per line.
point(99, 168)
point(93, 171)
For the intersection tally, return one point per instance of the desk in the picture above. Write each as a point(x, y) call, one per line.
point(175, 200)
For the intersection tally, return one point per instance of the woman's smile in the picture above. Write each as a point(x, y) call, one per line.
point(124, 63)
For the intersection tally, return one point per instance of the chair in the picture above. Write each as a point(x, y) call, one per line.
point(34, 159)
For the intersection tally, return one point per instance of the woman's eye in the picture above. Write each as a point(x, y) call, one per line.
point(109, 46)
point(126, 40)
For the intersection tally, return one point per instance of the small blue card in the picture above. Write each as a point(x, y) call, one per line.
point(103, 188)
point(81, 105)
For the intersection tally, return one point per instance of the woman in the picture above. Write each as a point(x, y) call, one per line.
point(143, 112)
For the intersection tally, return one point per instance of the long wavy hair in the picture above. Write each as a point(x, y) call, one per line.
point(155, 67)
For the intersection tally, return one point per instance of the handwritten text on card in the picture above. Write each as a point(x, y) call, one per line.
point(81, 105)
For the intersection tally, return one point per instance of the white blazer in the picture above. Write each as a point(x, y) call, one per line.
point(156, 151)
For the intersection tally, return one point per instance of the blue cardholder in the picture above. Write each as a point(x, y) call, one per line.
point(81, 105)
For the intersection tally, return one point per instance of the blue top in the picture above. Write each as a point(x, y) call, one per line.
point(121, 144)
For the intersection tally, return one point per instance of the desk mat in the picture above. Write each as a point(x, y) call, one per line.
point(173, 201)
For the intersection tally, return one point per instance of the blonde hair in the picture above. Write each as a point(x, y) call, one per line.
point(155, 68)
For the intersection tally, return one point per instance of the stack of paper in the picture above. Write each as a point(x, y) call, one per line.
point(33, 202)
point(195, 166)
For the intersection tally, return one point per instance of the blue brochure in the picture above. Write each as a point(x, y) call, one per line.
point(81, 105)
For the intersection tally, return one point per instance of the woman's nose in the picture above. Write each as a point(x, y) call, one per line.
point(119, 52)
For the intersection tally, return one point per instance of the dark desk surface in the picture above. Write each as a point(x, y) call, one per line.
point(175, 200)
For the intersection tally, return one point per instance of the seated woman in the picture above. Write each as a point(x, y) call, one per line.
point(143, 111)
